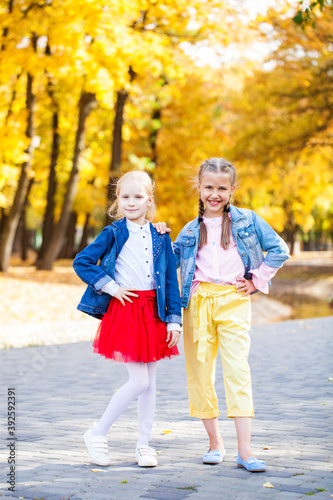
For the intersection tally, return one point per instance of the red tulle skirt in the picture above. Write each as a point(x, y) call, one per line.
point(134, 332)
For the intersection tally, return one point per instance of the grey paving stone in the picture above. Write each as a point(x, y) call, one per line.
point(163, 493)
point(57, 405)
point(295, 489)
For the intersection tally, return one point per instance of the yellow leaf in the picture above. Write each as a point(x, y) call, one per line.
point(268, 485)
point(267, 448)
point(166, 432)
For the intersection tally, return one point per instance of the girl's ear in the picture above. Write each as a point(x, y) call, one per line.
point(233, 188)
point(150, 201)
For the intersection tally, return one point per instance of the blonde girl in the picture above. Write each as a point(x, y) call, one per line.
point(134, 291)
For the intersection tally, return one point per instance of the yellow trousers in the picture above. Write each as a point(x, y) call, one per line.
point(218, 318)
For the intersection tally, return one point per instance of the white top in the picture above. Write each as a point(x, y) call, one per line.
point(134, 265)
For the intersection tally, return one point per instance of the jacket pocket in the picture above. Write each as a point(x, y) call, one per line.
point(187, 246)
point(248, 236)
point(188, 241)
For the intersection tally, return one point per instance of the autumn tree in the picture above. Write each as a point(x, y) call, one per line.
point(282, 123)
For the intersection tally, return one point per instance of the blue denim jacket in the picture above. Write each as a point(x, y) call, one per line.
point(106, 248)
point(252, 235)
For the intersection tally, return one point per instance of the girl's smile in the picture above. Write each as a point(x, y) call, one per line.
point(215, 191)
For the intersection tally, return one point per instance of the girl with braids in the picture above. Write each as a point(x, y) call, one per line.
point(134, 291)
point(221, 260)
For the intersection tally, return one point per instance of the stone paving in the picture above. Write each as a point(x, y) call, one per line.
point(61, 389)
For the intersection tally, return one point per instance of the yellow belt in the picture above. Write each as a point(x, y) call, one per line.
point(204, 297)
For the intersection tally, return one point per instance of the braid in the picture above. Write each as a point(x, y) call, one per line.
point(225, 230)
point(203, 230)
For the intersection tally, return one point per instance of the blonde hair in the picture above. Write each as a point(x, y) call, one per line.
point(217, 166)
point(138, 176)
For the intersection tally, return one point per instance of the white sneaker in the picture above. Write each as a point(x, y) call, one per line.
point(146, 456)
point(97, 447)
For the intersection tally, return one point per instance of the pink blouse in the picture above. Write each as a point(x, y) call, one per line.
point(224, 267)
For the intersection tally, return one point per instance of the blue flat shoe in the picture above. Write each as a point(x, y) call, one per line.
point(213, 457)
point(252, 465)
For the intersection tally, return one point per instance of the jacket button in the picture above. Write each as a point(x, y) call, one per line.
point(187, 242)
point(159, 286)
point(244, 254)
point(157, 272)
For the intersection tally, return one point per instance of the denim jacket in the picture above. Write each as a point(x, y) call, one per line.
point(106, 248)
point(252, 235)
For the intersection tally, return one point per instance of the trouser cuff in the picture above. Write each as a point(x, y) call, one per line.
point(204, 414)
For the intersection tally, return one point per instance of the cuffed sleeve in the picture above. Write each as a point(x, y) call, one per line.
point(262, 276)
point(174, 326)
point(110, 287)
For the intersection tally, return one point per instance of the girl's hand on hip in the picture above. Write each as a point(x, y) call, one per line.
point(161, 227)
point(123, 294)
point(245, 286)
point(173, 338)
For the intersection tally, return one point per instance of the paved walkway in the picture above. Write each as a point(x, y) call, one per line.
point(60, 390)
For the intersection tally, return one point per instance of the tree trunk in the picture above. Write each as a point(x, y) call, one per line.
point(48, 223)
point(122, 96)
point(291, 233)
point(156, 116)
point(13, 218)
point(25, 233)
point(67, 251)
point(117, 141)
point(24, 238)
point(87, 103)
point(5, 31)
point(3, 217)
point(85, 234)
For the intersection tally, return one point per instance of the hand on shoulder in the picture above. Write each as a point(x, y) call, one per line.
point(161, 227)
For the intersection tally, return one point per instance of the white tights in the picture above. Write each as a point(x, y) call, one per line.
point(141, 384)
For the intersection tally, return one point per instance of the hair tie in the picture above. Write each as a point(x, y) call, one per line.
point(200, 219)
point(226, 208)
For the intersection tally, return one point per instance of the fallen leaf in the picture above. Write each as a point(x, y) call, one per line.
point(268, 485)
point(166, 431)
point(330, 379)
point(97, 470)
point(267, 448)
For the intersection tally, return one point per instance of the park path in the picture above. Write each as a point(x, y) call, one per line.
point(61, 389)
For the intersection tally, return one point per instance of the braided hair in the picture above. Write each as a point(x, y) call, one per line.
point(217, 166)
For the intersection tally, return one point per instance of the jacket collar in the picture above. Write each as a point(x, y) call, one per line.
point(119, 224)
point(235, 213)
point(135, 228)
point(157, 240)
